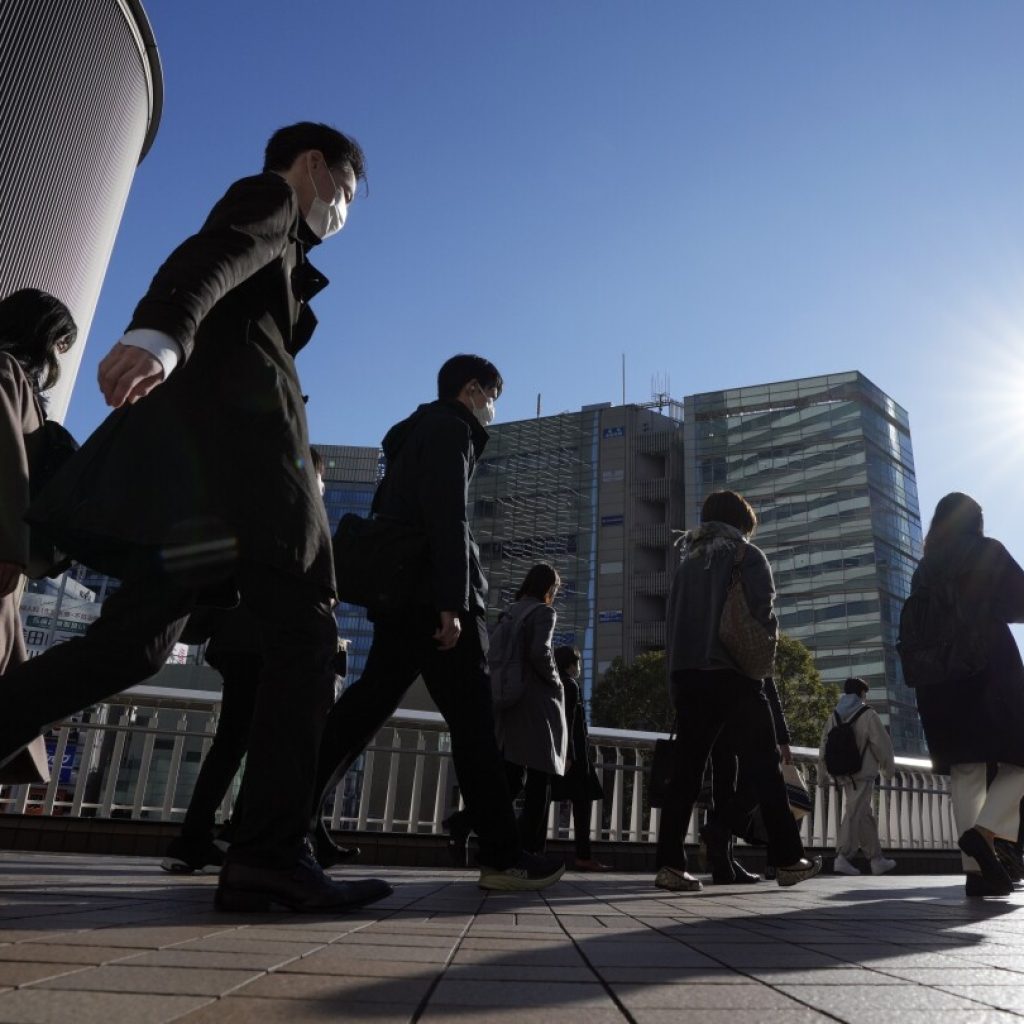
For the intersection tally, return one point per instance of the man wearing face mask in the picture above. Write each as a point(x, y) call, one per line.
point(431, 457)
point(198, 489)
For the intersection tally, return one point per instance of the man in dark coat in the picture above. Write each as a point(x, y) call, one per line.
point(431, 457)
point(199, 488)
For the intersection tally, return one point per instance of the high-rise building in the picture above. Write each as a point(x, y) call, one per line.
point(596, 493)
point(350, 478)
point(827, 464)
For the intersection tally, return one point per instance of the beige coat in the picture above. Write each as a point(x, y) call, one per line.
point(20, 417)
point(871, 738)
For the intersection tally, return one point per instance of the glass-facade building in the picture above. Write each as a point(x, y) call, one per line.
point(350, 478)
point(828, 466)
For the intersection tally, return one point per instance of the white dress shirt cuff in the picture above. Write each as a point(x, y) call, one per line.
point(160, 346)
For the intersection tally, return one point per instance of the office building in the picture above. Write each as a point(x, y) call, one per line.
point(828, 465)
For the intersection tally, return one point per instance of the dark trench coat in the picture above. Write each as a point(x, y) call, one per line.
point(980, 719)
point(214, 464)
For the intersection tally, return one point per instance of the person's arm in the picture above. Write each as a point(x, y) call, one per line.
point(881, 744)
point(15, 398)
point(245, 231)
point(442, 489)
point(782, 733)
point(1005, 578)
point(540, 628)
point(759, 588)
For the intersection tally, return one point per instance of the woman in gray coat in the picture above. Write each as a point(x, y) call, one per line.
point(532, 733)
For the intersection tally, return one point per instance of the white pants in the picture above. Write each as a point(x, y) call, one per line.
point(859, 829)
point(995, 807)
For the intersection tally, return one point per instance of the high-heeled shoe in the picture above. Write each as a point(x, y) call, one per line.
point(975, 845)
point(741, 874)
point(458, 828)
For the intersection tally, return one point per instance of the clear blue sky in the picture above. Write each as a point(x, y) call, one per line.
point(730, 193)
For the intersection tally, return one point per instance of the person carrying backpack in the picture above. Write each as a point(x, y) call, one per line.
point(854, 748)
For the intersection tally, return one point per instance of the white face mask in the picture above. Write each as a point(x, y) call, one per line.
point(485, 413)
point(326, 219)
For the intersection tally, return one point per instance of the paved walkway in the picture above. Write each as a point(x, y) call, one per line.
point(117, 941)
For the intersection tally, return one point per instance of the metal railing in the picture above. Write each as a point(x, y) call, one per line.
point(138, 759)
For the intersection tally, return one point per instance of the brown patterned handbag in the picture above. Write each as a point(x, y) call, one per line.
point(749, 644)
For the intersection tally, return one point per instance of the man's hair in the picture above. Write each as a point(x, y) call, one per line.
point(461, 369)
point(318, 461)
point(856, 686)
point(731, 508)
point(287, 143)
point(539, 580)
point(566, 656)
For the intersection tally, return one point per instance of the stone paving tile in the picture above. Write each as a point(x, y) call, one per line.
point(566, 956)
point(798, 1016)
point(826, 976)
point(338, 989)
point(206, 958)
point(155, 980)
point(673, 976)
point(230, 942)
point(1002, 997)
point(951, 979)
point(553, 995)
point(13, 974)
point(521, 1015)
point(702, 997)
point(242, 1010)
point(848, 999)
point(39, 1006)
point(332, 960)
point(42, 952)
point(518, 972)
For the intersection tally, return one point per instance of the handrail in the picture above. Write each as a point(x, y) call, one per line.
point(142, 764)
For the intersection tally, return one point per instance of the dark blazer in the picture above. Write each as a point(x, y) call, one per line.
point(213, 465)
point(430, 458)
point(980, 719)
point(581, 779)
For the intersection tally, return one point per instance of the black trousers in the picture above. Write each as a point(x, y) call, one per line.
point(536, 788)
point(582, 806)
point(727, 704)
point(240, 674)
point(403, 648)
point(130, 641)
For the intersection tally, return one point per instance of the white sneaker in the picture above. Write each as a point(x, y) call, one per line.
point(841, 866)
point(879, 865)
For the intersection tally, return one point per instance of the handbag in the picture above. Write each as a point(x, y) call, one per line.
point(380, 563)
point(796, 791)
point(749, 644)
point(661, 770)
point(30, 765)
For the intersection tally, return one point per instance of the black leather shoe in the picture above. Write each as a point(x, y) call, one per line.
point(1009, 856)
point(974, 844)
point(328, 852)
point(304, 888)
point(742, 875)
point(978, 887)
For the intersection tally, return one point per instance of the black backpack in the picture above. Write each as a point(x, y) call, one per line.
point(842, 755)
point(937, 644)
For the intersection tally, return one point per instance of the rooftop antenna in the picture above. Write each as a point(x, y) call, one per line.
point(661, 390)
point(538, 405)
point(623, 378)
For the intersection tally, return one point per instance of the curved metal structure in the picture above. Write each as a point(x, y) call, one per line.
point(81, 90)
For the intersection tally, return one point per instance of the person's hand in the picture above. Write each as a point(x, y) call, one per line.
point(785, 753)
point(447, 634)
point(127, 374)
point(10, 573)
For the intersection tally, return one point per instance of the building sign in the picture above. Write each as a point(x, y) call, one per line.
point(611, 520)
point(613, 432)
point(67, 762)
point(613, 616)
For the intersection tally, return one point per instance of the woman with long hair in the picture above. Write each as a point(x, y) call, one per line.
point(34, 329)
point(713, 695)
point(979, 721)
point(531, 732)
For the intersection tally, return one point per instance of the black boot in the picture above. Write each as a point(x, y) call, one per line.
point(715, 840)
point(975, 845)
